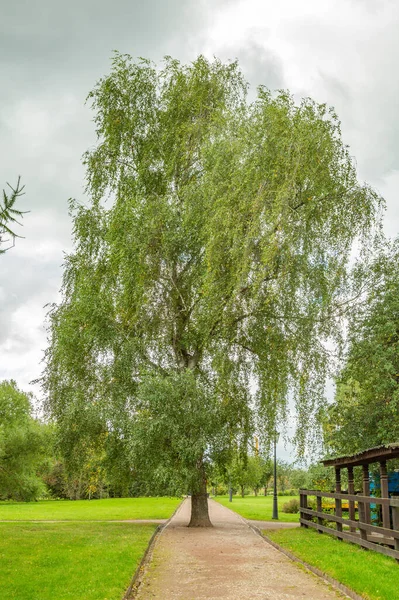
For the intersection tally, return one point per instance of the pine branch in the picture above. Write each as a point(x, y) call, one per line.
point(9, 214)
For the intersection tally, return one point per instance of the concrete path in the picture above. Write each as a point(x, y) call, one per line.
point(226, 561)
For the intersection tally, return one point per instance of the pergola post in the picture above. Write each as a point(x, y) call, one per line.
point(366, 492)
point(395, 518)
point(386, 521)
point(338, 502)
point(351, 491)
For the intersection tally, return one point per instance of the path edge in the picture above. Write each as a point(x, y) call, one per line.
point(138, 576)
point(341, 587)
point(327, 578)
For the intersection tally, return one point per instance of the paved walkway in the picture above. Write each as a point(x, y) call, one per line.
point(226, 561)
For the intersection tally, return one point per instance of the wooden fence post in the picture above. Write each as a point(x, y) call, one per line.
point(319, 506)
point(386, 521)
point(351, 490)
point(366, 492)
point(303, 502)
point(338, 501)
point(395, 518)
point(362, 519)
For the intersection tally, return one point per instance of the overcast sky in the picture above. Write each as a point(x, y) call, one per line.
point(342, 52)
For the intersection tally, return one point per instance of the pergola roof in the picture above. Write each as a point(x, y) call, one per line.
point(366, 457)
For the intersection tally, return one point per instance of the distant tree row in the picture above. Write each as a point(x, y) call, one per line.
point(254, 474)
point(32, 465)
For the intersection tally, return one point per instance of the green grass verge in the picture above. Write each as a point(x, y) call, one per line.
point(109, 509)
point(259, 508)
point(371, 575)
point(60, 561)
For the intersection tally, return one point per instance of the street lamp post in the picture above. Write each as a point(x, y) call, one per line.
point(275, 506)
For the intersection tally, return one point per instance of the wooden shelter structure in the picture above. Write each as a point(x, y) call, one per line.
point(385, 538)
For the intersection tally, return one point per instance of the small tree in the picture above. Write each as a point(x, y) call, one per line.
point(255, 473)
point(267, 474)
point(219, 261)
point(320, 478)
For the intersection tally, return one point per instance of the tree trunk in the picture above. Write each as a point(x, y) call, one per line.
point(242, 491)
point(199, 504)
point(199, 511)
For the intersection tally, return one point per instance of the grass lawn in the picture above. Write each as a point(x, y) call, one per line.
point(258, 507)
point(79, 561)
point(372, 575)
point(109, 509)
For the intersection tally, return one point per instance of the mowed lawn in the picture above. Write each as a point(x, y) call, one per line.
point(83, 555)
point(372, 575)
point(109, 509)
point(259, 508)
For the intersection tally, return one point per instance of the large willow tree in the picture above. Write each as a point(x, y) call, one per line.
point(207, 267)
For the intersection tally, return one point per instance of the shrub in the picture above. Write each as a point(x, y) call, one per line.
point(292, 506)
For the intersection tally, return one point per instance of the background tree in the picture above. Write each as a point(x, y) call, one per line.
point(9, 214)
point(24, 446)
point(298, 478)
point(257, 472)
point(321, 478)
point(245, 472)
point(219, 261)
point(366, 405)
point(267, 474)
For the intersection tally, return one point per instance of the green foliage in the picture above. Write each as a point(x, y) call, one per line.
point(267, 473)
point(298, 478)
point(9, 214)
point(169, 437)
point(24, 446)
point(321, 478)
point(220, 261)
point(247, 472)
point(291, 507)
point(366, 405)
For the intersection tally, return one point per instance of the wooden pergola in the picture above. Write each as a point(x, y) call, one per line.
point(379, 454)
point(361, 531)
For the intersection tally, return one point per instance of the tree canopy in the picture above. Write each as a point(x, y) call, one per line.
point(23, 446)
point(365, 411)
point(208, 266)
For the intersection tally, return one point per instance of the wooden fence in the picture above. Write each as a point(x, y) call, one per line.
point(359, 531)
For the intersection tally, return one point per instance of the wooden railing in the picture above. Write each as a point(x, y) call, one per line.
point(359, 531)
